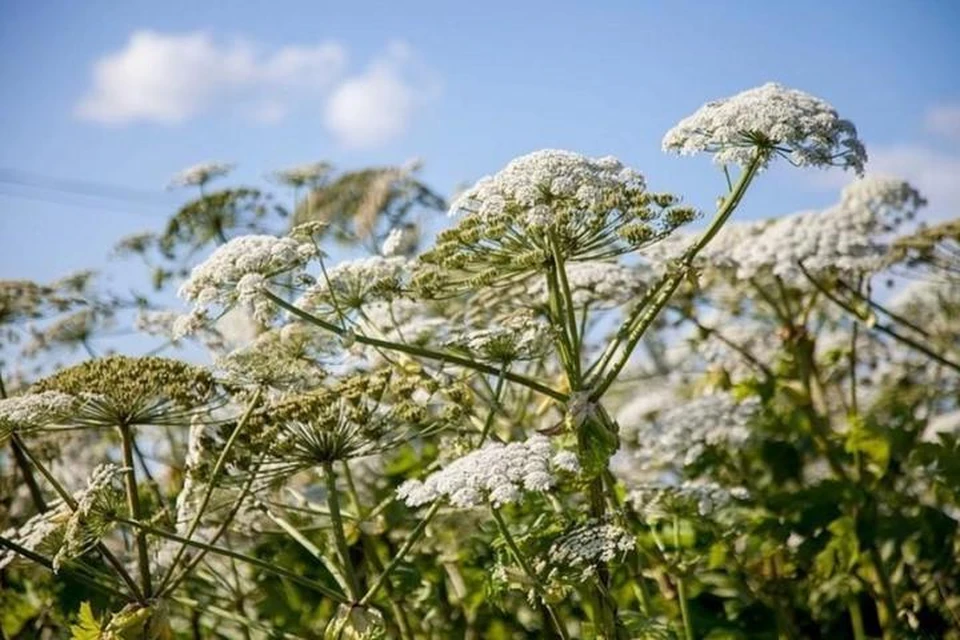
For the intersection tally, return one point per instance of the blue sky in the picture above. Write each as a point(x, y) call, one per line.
point(464, 86)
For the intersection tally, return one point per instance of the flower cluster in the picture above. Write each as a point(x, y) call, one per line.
point(768, 120)
point(688, 499)
point(846, 239)
point(34, 411)
point(546, 203)
point(586, 546)
point(678, 436)
point(238, 271)
point(122, 390)
point(200, 174)
point(498, 473)
point(355, 283)
point(310, 174)
point(92, 517)
point(286, 358)
point(515, 337)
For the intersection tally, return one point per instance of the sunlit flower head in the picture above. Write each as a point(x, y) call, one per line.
point(769, 120)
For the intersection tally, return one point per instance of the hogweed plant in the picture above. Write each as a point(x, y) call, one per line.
point(569, 417)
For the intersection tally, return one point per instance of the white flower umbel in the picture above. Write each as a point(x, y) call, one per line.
point(774, 120)
point(849, 239)
point(678, 436)
point(584, 547)
point(516, 337)
point(496, 473)
point(238, 271)
point(200, 174)
point(662, 501)
point(287, 358)
point(37, 533)
point(355, 283)
point(310, 174)
point(548, 201)
point(34, 411)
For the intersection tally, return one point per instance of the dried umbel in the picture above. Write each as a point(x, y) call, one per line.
point(540, 206)
point(771, 120)
point(200, 174)
point(120, 390)
point(311, 174)
point(358, 416)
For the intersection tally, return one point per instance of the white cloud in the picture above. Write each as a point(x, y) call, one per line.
point(944, 120)
point(379, 104)
point(170, 78)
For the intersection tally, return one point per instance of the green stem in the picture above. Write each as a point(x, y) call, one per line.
point(72, 504)
point(856, 620)
point(269, 631)
point(491, 416)
point(527, 569)
point(333, 503)
point(211, 484)
point(422, 352)
point(311, 548)
point(228, 553)
point(81, 575)
point(641, 319)
point(244, 492)
point(133, 503)
point(397, 559)
point(682, 588)
point(886, 591)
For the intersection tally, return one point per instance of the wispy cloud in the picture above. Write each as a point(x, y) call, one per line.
point(170, 79)
point(379, 104)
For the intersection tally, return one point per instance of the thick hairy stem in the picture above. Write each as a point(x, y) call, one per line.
point(439, 356)
point(339, 536)
point(527, 569)
point(642, 317)
point(211, 484)
point(133, 503)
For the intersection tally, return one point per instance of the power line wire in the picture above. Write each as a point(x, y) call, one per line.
point(83, 187)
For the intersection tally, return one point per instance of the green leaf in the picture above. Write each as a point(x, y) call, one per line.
point(87, 627)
